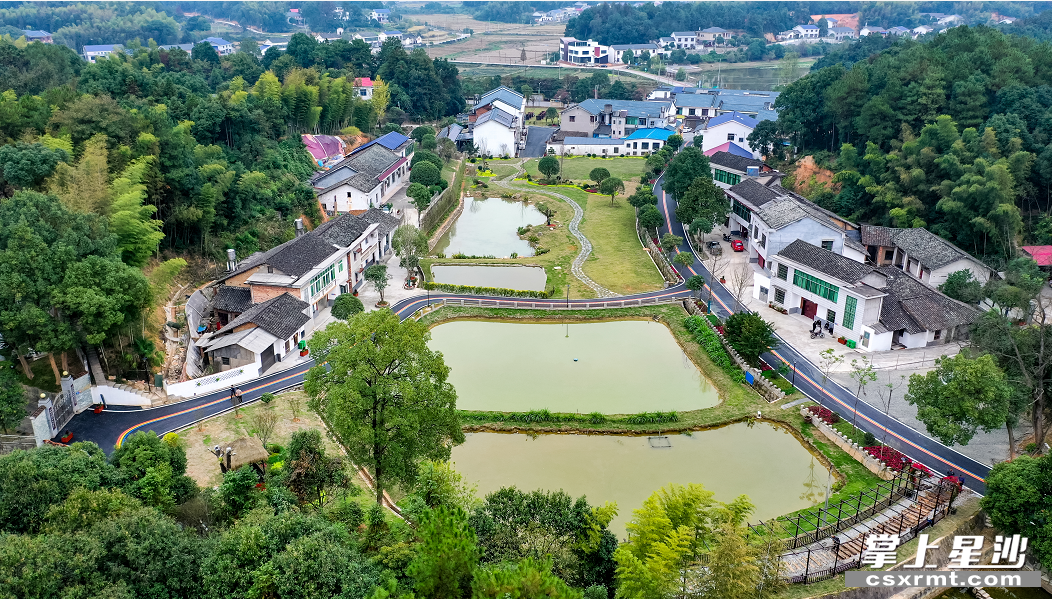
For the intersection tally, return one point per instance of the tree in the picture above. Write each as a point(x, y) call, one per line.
point(549, 166)
point(85, 187)
point(703, 205)
point(447, 555)
point(684, 259)
point(670, 242)
point(410, 244)
point(430, 142)
point(681, 74)
point(599, 174)
point(381, 98)
point(527, 92)
point(1019, 498)
point(627, 57)
point(309, 472)
point(696, 284)
point(204, 52)
point(346, 306)
point(961, 396)
point(138, 234)
point(644, 196)
point(154, 469)
point(238, 492)
point(12, 401)
point(611, 187)
point(264, 420)
point(766, 139)
point(385, 394)
point(750, 335)
point(732, 572)
point(27, 165)
point(447, 149)
point(650, 218)
point(426, 174)
point(420, 195)
point(551, 114)
point(675, 142)
point(377, 275)
point(963, 287)
point(687, 166)
point(527, 579)
point(421, 132)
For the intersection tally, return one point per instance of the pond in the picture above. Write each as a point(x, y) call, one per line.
point(757, 78)
point(489, 228)
point(529, 278)
point(622, 367)
point(762, 461)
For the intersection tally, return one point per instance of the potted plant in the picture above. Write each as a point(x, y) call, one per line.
point(842, 340)
point(67, 436)
point(304, 352)
point(723, 279)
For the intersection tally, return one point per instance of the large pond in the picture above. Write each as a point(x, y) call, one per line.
point(762, 461)
point(529, 278)
point(490, 228)
point(622, 367)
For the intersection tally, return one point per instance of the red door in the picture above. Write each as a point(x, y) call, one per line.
point(808, 309)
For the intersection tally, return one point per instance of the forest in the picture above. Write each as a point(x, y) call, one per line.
point(952, 134)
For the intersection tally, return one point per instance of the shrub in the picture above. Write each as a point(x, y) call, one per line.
point(266, 397)
point(710, 342)
point(514, 255)
point(596, 418)
point(472, 290)
point(653, 418)
point(346, 306)
point(824, 414)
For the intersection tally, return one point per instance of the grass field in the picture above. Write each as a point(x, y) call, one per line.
point(618, 261)
point(577, 169)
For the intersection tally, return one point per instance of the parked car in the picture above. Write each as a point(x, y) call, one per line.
point(737, 245)
point(714, 248)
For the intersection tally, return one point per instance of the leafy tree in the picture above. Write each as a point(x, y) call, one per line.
point(438, 484)
point(381, 98)
point(138, 235)
point(684, 259)
point(385, 395)
point(962, 286)
point(644, 196)
point(309, 472)
point(83, 509)
point(1018, 499)
point(154, 469)
point(687, 166)
point(551, 114)
point(447, 555)
point(12, 401)
point(426, 174)
point(650, 218)
point(421, 132)
point(204, 52)
point(703, 205)
point(527, 578)
point(599, 174)
point(628, 57)
point(675, 142)
point(731, 571)
point(961, 396)
point(85, 187)
point(410, 244)
point(766, 139)
point(750, 335)
point(426, 156)
point(27, 165)
point(420, 195)
point(549, 166)
point(696, 284)
point(681, 74)
point(430, 142)
point(611, 186)
point(238, 492)
point(346, 306)
point(377, 275)
point(447, 149)
point(670, 242)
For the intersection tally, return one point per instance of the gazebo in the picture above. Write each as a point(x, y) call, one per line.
point(246, 451)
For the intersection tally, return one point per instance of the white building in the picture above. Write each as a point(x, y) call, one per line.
point(363, 87)
point(586, 52)
point(841, 33)
point(920, 253)
point(618, 50)
point(687, 40)
point(380, 15)
point(806, 32)
point(732, 127)
point(922, 30)
point(497, 123)
point(222, 47)
point(711, 35)
point(367, 177)
point(872, 30)
point(580, 146)
point(93, 53)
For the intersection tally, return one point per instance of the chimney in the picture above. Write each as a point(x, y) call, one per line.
point(299, 227)
point(231, 260)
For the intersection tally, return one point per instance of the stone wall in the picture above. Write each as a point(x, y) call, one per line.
point(853, 449)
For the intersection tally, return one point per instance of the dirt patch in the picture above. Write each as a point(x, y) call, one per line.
point(202, 465)
point(805, 170)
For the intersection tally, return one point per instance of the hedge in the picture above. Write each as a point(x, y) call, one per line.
point(472, 290)
point(437, 212)
point(710, 341)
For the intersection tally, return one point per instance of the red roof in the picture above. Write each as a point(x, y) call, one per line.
point(363, 82)
point(1042, 254)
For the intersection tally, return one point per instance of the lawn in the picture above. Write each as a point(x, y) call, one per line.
point(618, 261)
point(577, 169)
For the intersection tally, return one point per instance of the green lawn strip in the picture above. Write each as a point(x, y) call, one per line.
point(578, 169)
point(618, 261)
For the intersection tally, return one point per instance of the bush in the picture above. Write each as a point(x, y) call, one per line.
point(596, 418)
point(824, 414)
point(274, 448)
point(710, 342)
point(266, 397)
point(472, 290)
point(653, 418)
point(346, 306)
point(868, 439)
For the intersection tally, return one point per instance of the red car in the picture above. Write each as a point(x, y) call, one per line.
point(737, 245)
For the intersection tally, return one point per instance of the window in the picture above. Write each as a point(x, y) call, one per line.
point(731, 136)
point(615, 150)
point(827, 244)
point(725, 177)
point(830, 316)
point(889, 255)
point(741, 211)
point(573, 119)
point(322, 280)
point(646, 145)
point(226, 361)
point(850, 305)
point(635, 145)
point(779, 295)
point(815, 285)
point(690, 112)
point(763, 241)
point(783, 272)
point(755, 231)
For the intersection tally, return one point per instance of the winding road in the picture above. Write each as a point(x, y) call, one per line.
point(110, 427)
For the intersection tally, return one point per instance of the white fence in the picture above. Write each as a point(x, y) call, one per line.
point(213, 382)
point(113, 396)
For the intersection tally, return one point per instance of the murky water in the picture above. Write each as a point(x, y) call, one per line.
point(489, 228)
point(758, 78)
point(623, 367)
point(999, 593)
point(762, 461)
point(529, 278)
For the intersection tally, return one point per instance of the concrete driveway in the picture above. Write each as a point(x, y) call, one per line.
point(536, 138)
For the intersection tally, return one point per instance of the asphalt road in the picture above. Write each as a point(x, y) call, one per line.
point(112, 425)
point(536, 138)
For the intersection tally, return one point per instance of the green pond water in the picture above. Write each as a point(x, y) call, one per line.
point(758, 78)
point(999, 593)
point(529, 278)
point(489, 228)
point(762, 461)
point(622, 367)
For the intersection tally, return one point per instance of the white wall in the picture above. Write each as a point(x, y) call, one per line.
point(213, 382)
point(881, 342)
point(717, 136)
point(495, 139)
point(938, 276)
point(113, 396)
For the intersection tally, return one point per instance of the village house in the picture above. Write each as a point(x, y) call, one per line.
point(367, 177)
point(686, 40)
point(222, 47)
point(33, 35)
point(587, 52)
point(729, 169)
point(710, 35)
point(872, 30)
point(841, 33)
point(614, 118)
point(93, 53)
point(380, 15)
point(920, 253)
point(618, 50)
point(363, 87)
point(733, 127)
point(806, 32)
point(497, 124)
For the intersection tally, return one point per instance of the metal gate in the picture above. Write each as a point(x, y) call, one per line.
point(267, 357)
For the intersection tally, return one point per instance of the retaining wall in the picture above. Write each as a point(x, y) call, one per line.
point(212, 382)
point(114, 396)
point(853, 449)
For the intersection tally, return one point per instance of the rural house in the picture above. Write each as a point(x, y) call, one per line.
point(367, 177)
point(921, 253)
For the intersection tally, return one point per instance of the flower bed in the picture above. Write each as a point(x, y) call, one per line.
point(824, 414)
point(892, 457)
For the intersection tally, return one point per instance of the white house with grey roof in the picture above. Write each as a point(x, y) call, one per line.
point(614, 118)
point(730, 169)
point(921, 253)
point(367, 177)
point(710, 35)
point(878, 308)
point(497, 126)
point(687, 40)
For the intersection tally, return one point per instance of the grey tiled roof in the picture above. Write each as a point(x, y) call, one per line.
point(635, 108)
point(232, 299)
point(387, 221)
point(281, 316)
point(931, 250)
point(342, 230)
point(510, 97)
point(755, 193)
point(497, 115)
point(916, 307)
point(881, 236)
point(359, 170)
point(733, 161)
point(824, 261)
point(294, 257)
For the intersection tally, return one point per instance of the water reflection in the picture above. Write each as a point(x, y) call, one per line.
point(530, 278)
point(489, 228)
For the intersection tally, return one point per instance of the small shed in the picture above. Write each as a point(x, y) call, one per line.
point(246, 451)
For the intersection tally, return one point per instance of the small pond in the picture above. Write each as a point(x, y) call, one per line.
point(529, 278)
point(622, 367)
point(490, 228)
point(762, 461)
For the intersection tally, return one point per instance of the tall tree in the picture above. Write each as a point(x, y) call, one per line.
point(611, 186)
point(1019, 499)
point(385, 394)
point(381, 99)
point(447, 556)
point(703, 205)
point(410, 244)
point(378, 276)
point(687, 166)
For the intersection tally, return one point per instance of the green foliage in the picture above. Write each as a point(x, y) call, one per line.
point(12, 400)
point(425, 173)
point(1018, 499)
point(687, 166)
point(447, 555)
point(963, 287)
point(710, 342)
point(650, 218)
point(527, 578)
point(675, 142)
point(548, 166)
point(644, 196)
point(346, 306)
point(961, 396)
point(696, 283)
point(653, 418)
point(154, 469)
point(670, 241)
point(26, 165)
point(419, 133)
point(703, 205)
point(750, 335)
point(238, 492)
point(472, 290)
point(599, 174)
point(396, 412)
point(377, 275)
point(309, 473)
point(611, 186)
point(438, 484)
point(266, 398)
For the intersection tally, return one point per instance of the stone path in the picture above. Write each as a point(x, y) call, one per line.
point(578, 214)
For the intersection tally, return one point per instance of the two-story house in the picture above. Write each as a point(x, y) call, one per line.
point(35, 35)
point(872, 30)
point(380, 15)
point(880, 308)
point(363, 87)
point(222, 47)
point(367, 177)
point(618, 50)
point(921, 253)
point(711, 36)
point(93, 53)
point(806, 32)
point(780, 222)
point(841, 33)
point(729, 169)
point(733, 127)
point(577, 51)
point(687, 40)
point(497, 123)
point(614, 118)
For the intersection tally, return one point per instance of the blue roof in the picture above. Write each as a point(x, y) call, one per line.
point(102, 48)
point(662, 134)
point(35, 33)
point(381, 11)
point(391, 140)
point(393, 32)
point(737, 150)
point(736, 116)
point(808, 26)
point(508, 96)
point(216, 41)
